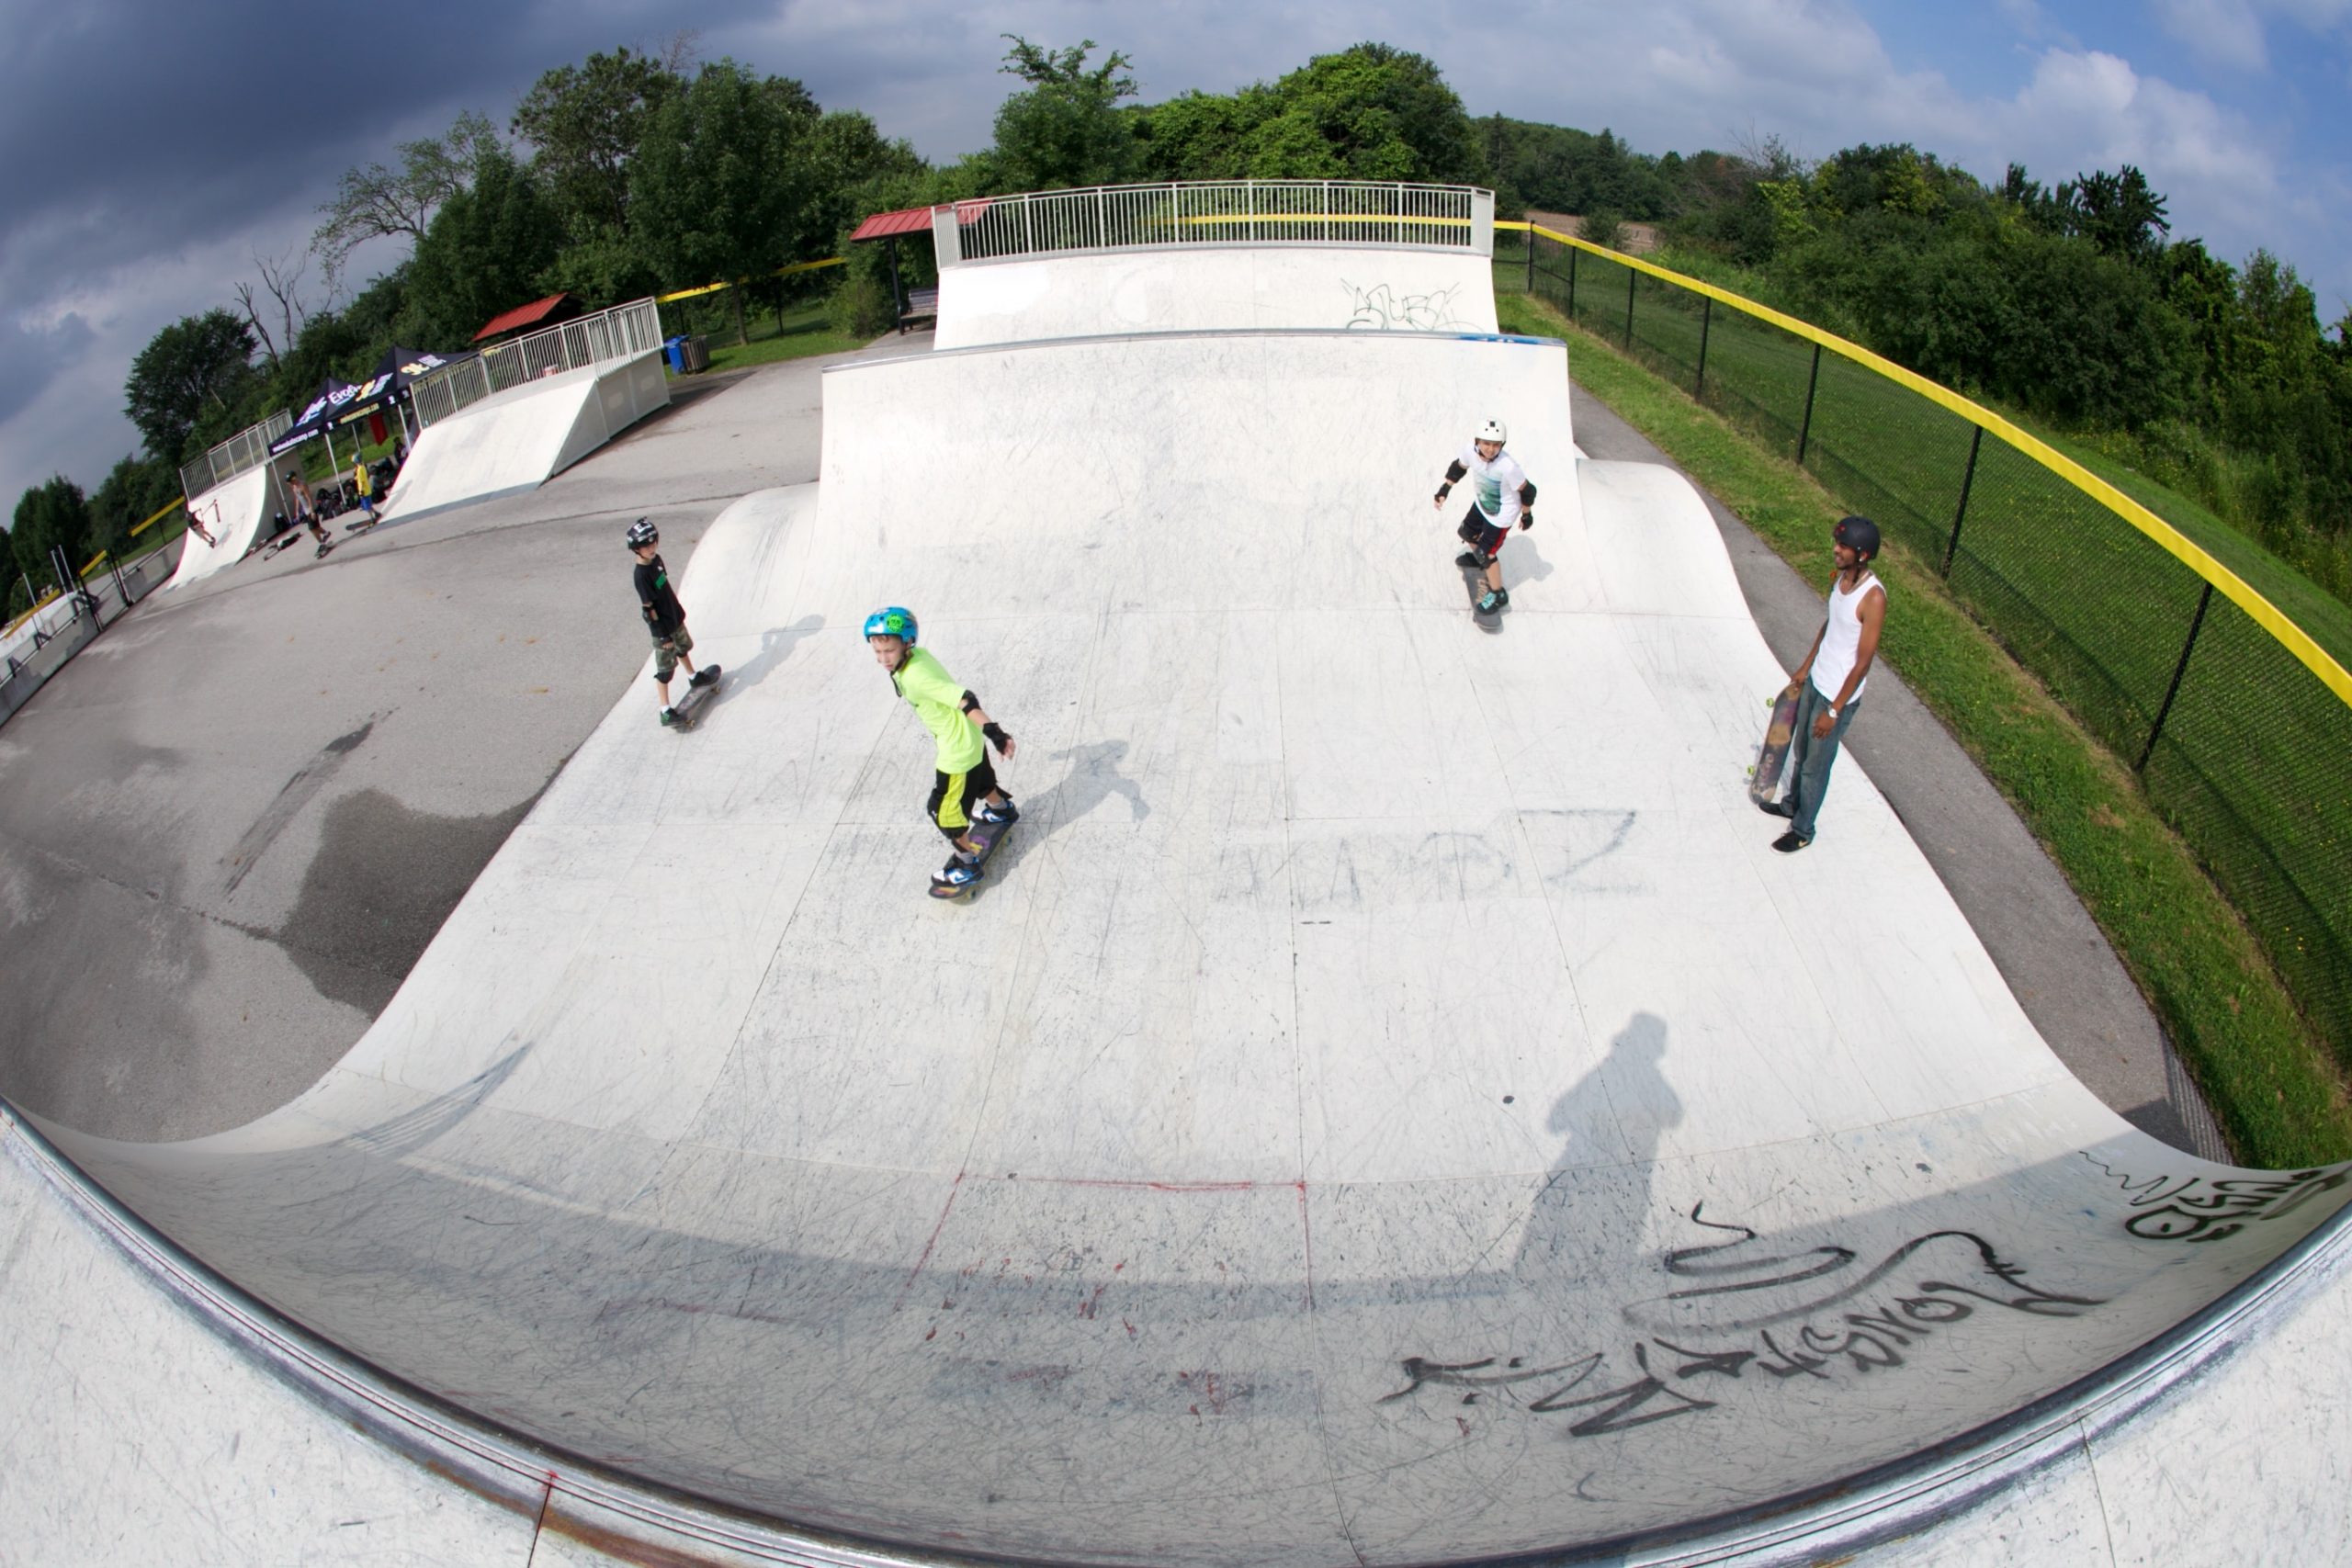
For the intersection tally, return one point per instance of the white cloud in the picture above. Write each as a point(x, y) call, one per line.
point(2226, 31)
point(2235, 33)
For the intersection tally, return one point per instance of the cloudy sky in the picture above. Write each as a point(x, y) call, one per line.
point(153, 152)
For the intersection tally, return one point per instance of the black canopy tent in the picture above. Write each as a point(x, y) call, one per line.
point(316, 417)
point(388, 385)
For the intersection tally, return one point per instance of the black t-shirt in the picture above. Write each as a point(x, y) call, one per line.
point(653, 590)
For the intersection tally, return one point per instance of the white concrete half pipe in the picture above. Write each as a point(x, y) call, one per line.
point(518, 439)
point(1387, 1103)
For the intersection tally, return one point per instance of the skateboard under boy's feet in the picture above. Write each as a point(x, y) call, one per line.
point(983, 836)
point(699, 691)
point(1473, 580)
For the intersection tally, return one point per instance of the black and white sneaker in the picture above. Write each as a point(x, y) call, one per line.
point(1004, 816)
point(957, 873)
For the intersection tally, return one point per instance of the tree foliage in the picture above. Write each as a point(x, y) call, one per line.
point(51, 514)
point(721, 175)
point(1064, 130)
point(197, 365)
point(1370, 112)
point(135, 490)
point(380, 202)
point(585, 124)
point(484, 253)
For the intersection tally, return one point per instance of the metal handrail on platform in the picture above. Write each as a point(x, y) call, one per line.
point(618, 334)
point(1215, 212)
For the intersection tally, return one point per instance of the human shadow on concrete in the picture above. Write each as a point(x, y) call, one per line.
point(1589, 1220)
point(1091, 777)
point(776, 643)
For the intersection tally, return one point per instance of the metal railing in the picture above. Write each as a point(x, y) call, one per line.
point(246, 450)
point(621, 333)
point(64, 624)
point(1215, 212)
point(2238, 724)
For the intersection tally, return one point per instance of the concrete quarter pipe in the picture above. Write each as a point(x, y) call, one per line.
point(1386, 1104)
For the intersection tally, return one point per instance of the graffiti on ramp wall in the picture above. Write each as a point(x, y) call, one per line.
point(1379, 308)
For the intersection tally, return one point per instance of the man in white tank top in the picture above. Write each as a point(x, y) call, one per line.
point(1836, 669)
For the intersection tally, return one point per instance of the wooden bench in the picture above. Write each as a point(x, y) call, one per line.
point(922, 305)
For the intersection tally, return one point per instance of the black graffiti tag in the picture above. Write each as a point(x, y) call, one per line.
point(2199, 1208)
point(1779, 1315)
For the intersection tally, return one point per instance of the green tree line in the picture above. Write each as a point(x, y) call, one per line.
point(2073, 304)
point(631, 172)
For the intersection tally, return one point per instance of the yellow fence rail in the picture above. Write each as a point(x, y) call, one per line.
point(737, 283)
point(2294, 637)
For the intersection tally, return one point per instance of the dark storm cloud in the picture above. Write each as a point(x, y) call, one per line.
point(139, 129)
point(31, 358)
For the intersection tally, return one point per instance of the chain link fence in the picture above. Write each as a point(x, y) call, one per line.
point(65, 623)
point(2238, 726)
point(621, 333)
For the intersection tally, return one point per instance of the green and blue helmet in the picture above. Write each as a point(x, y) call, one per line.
point(897, 621)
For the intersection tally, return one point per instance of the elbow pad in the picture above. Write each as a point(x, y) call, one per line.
point(1527, 493)
point(969, 702)
point(1454, 472)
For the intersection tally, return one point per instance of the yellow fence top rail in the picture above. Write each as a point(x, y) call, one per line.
point(1430, 219)
point(161, 512)
point(780, 272)
point(2237, 589)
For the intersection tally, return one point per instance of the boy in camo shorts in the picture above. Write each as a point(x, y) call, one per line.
point(664, 617)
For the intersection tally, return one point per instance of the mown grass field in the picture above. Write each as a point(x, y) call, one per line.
point(2273, 1076)
point(799, 331)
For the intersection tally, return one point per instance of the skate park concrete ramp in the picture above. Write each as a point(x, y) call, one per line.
point(1364, 288)
point(519, 438)
point(237, 516)
point(1387, 1102)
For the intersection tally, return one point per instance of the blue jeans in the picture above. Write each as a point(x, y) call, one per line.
point(1809, 759)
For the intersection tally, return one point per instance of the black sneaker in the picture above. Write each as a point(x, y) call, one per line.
point(705, 676)
point(1774, 807)
point(1789, 843)
point(1005, 814)
point(1469, 560)
point(668, 717)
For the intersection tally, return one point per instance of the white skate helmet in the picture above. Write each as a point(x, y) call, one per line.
point(1494, 431)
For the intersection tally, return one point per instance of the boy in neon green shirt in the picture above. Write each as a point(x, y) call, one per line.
point(965, 791)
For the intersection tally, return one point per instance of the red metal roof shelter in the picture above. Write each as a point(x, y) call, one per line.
point(888, 225)
point(538, 312)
